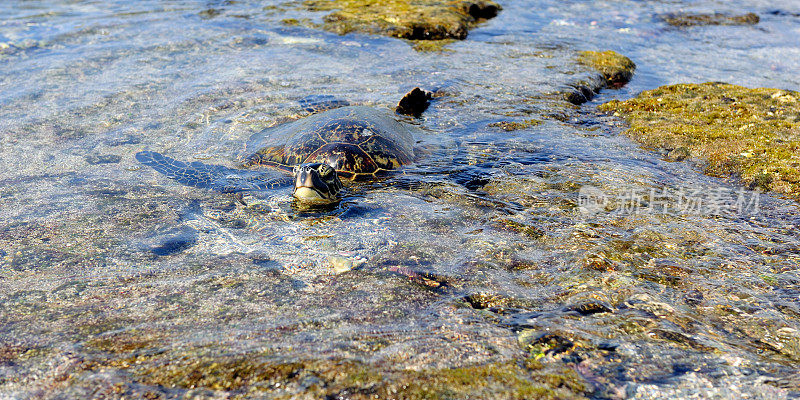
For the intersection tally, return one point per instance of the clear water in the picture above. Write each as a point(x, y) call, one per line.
point(95, 246)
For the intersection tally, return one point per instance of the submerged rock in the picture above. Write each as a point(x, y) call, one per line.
point(509, 126)
point(191, 370)
point(751, 133)
point(696, 19)
point(414, 20)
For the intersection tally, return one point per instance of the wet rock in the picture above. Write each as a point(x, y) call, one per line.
point(615, 68)
point(96, 159)
point(497, 302)
point(581, 93)
point(431, 46)
point(679, 338)
point(434, 282)
point(529, 231)
point(209, 13)
point(418, 20)
point(509, 126)
point(546, 343)
point(734, 130)
point(589, 308)
point(414, 103)
point(696, 19)
point(613, 71)
point(693, 297)
point(679, 154)
point(10, 352)
point(189, 370)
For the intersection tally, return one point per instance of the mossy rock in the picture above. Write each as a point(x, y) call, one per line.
point(613, 71)
point(413, 20)
point(751, 133)
point(615, 68)
point(696, 19)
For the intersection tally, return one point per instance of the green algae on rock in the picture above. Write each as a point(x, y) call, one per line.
point(751, 133)
point(509, 126)
point(245, 375)
point(697, 19)
point(614, 71)
point(616, 68)
point(414, 20)
point(431, 46)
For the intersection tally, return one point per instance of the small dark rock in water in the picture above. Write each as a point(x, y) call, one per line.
point(430, 281)
point(613, 71)
point(784, 13)
point(589, 308)
point(697, 19)
point(175, 241)
point(579, 94)
point(555, 343)
point(693, 297)
point(414, 103)
point(209, 13)
point(483, 10)
point(95, 159)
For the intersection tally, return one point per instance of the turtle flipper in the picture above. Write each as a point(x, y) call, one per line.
point(214, 177)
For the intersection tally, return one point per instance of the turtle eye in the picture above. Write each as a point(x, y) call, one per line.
point(325, 170)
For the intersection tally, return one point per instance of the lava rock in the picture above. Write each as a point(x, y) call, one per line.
point(414, 103)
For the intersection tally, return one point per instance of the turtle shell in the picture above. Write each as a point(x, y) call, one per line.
point(357, 141)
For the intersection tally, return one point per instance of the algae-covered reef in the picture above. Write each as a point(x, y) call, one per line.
point(751, 133)
point(413, 20)
point(196, 372)
point(695, 19)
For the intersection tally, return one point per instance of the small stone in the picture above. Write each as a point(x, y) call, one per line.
point(616, 69)
point(589, 308)
point(209, 13)
point(414, 103)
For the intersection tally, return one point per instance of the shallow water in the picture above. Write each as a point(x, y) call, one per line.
point(699, 301)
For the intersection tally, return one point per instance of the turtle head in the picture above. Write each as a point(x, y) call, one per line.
point(316, 183)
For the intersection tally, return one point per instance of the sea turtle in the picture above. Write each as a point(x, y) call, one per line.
point(348, 143)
